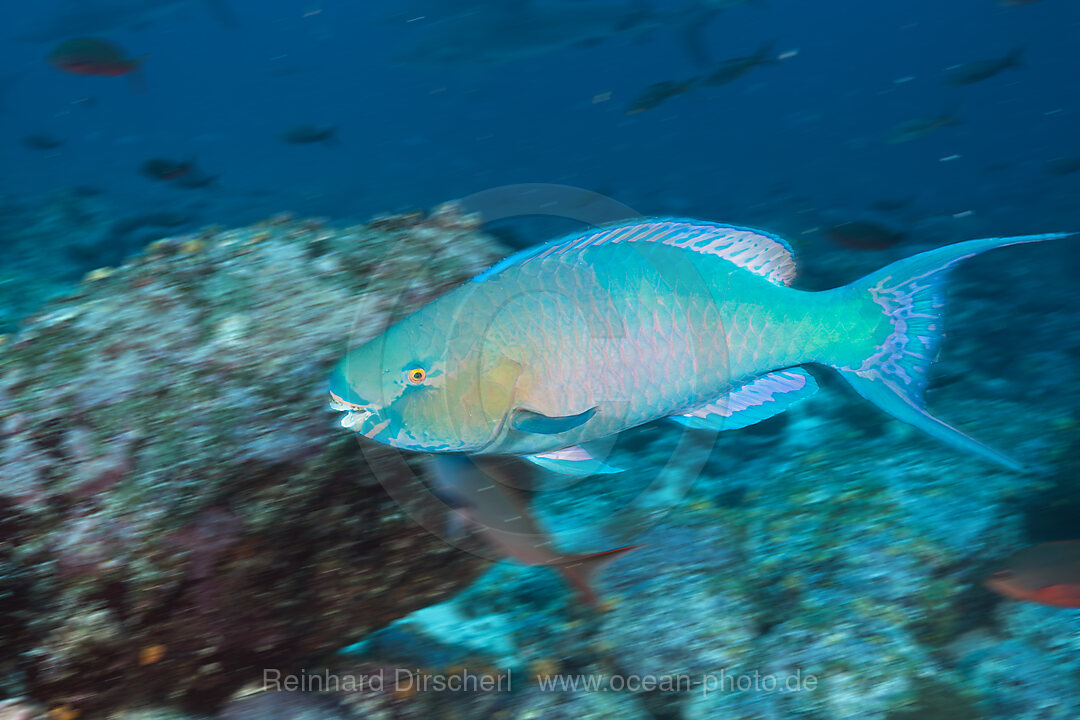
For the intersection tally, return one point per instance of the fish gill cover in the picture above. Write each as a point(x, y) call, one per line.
point(180, 512)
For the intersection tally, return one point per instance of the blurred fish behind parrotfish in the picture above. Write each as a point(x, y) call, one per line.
point(489, 496)
point(980, 70)
point(1048, 574)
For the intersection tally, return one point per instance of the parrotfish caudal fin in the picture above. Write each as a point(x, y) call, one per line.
point(894, 375)
point(579, 570)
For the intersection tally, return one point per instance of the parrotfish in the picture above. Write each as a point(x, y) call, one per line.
point(1048, 573)
point(559, 347)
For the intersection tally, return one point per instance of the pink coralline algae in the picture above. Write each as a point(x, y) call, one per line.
point(178, 509)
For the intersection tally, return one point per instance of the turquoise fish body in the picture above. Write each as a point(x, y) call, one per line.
point(608, 329)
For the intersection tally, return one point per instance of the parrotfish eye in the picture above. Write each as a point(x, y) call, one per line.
point(416, 375)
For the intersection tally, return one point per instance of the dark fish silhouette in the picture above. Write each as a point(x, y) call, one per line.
point(890, 205)
point(92, 56)
point(734, 68)
point(658, 93)
point(863, 235)
point(500, 31)
point(920, 127)
point(310, 134)
point(1063, 166)
point(980, 70)
point(42, 141)
point(159, 168)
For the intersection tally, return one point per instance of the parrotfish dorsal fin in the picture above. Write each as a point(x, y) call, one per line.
point(757, 251)
point(760, 399)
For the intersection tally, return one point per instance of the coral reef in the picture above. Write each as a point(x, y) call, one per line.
point(178, 507)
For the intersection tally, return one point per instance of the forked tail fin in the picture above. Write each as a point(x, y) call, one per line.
point(894, 373)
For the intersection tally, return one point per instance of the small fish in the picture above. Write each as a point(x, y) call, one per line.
point(310, 134)
point(731, 70)
point(919, 128)
point(575, 341)
point(891, 205)
point(42, 141)
point(658, 93)
point(158, 168)
point(1048, 574)
point(1063, 166)
point(485, 495)
point(93, 56)
point(501, 31)
point(863, 235)
point(980, 70)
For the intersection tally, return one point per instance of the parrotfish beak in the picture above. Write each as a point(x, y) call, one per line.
point(360, 413)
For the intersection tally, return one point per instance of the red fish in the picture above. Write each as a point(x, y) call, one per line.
point(1048, 574)
point(92, 56)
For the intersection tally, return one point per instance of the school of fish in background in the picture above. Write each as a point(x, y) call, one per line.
point(861, 132)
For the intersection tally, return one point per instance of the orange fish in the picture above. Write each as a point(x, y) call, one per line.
point(1048, 573)
point(92, 56)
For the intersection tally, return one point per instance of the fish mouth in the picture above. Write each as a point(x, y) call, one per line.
point(356, 416)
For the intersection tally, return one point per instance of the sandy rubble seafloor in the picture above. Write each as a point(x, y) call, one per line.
point(157, 485)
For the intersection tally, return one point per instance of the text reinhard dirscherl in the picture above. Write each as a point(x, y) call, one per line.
point(464, 680)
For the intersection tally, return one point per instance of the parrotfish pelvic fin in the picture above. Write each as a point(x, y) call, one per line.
point(760, 399)
point(579, 571)
point(575, 460)
point(894, 374)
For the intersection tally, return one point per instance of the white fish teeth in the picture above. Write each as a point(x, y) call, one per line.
point(336, 404)
point(354, 418)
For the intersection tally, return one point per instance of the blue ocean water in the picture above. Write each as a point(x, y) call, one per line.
point(805, 133)
point(830, 541)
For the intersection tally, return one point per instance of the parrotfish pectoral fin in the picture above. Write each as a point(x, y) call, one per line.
point(579, 570)
point(575, 460)
point(760, 399)
point(894, 373)
point(533, 422)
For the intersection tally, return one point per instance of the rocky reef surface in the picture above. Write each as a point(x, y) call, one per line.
point(178, 508)
point(185, 523)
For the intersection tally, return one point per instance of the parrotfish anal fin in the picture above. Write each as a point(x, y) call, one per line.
point(760, 399)
point(759, 252)
point(895, 370)
point(579, 570)
point(539, 424)
point(574, 460)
